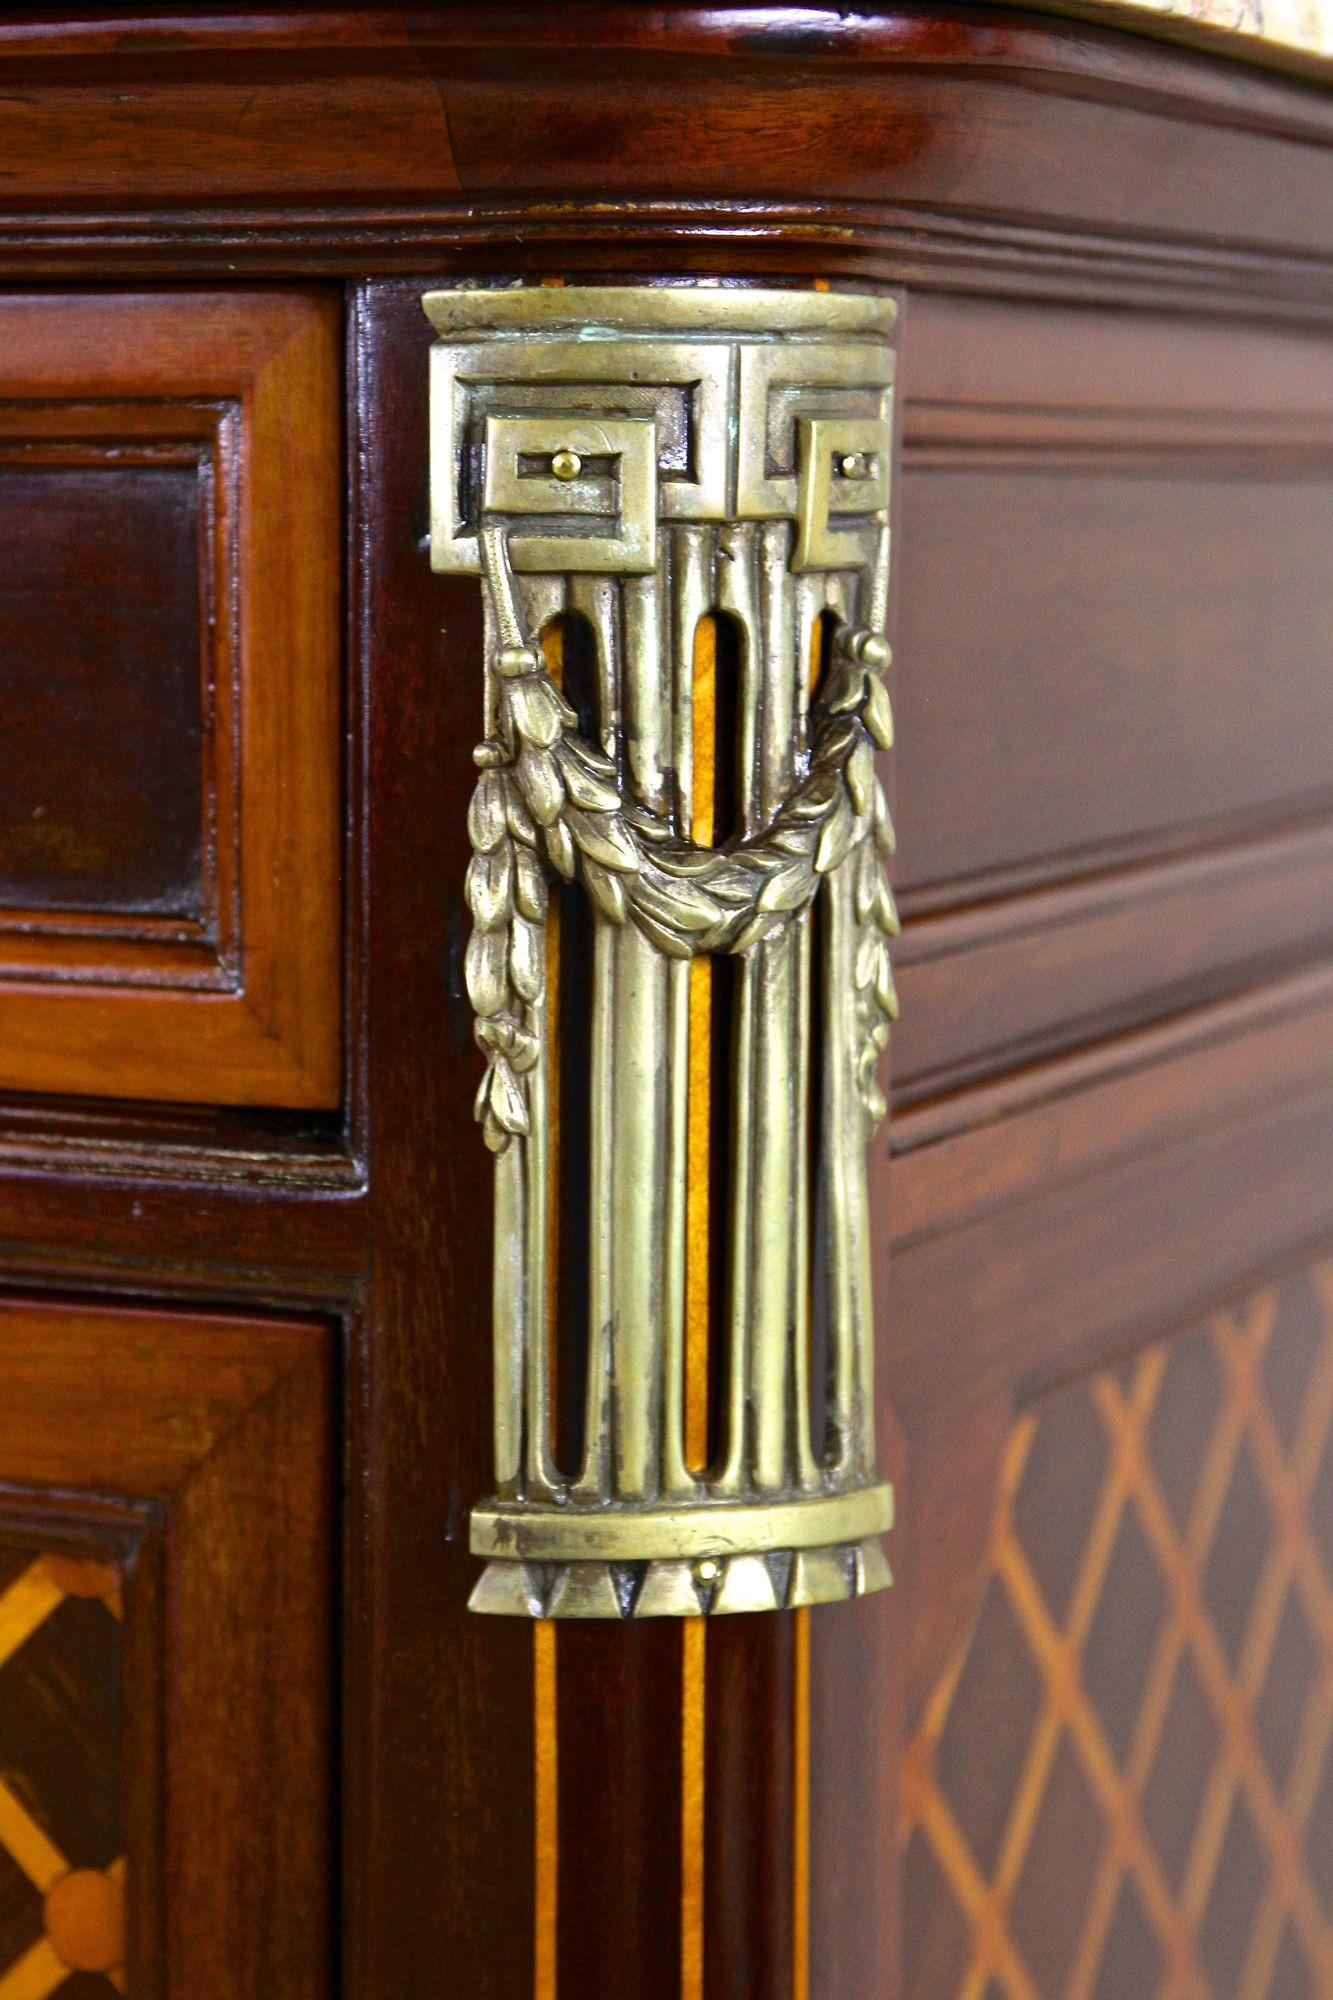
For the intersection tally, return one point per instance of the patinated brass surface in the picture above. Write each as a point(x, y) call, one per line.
point(649, 457)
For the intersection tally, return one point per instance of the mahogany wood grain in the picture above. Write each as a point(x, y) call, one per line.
point(131, 1227)
point(989, 986)
point(439, 1858)
point(249, 1010)
point(96, 619)
point(856, 1669)
point(619, 1745)
point(1103, 1259)
point(1134, 657)
point(80, 830)
point(749, 1800)
point(978, 1150)
point(926, 144)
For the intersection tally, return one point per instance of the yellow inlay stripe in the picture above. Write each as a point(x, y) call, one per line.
point(693, 1712)
point(37, 1973)
point(698, 1275)
point(800, 1922)
point(553, 652)
point(800, 1901)
point(39, 1858)
point(546, 1798)
point(546, 1767)
point(698, 1314)
point(31, 1598)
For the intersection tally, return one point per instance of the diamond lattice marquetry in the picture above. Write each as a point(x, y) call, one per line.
point(1123, 1788)
point(61, 1836)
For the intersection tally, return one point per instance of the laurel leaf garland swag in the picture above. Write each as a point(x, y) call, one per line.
point(547, 802)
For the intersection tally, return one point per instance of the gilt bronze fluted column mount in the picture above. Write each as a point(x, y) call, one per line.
point(650, 458)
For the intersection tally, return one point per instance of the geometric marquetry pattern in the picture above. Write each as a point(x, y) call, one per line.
point(61, 1832)
point(1123, 1788)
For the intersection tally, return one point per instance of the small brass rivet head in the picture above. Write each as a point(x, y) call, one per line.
point(873, 651)
point(707, 1571)
point(566, 465)
point(853, 465)
point(515, 661)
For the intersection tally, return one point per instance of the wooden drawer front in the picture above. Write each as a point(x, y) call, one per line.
point(169, 623)
point(165, 1578)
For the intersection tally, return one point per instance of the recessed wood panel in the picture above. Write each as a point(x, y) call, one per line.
point(1115, 745)
point(101, 700)
point(1126, 655)
point(166, 1580)
point(1115, 590)
point(169, 609)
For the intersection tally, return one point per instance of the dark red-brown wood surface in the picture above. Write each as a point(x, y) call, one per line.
point(118, 834)
point(440, 1782)
point(920, 142)
point(1111, 1084)
point(169, 926)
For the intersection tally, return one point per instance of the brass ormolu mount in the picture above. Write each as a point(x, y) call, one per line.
point(647, 456)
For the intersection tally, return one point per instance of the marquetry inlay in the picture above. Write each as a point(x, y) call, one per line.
point(1123, 1789)
point(62, 1867)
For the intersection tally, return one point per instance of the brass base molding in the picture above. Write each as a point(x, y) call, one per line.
point(646, 460)
point(701, 1559)
point(709, 1587)
point(703, 1528)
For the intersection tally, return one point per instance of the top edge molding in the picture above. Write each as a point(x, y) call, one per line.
point(1291, 36)
point(612, 312)
point(783, 143)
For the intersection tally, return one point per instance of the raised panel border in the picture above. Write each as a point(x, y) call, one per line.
point(990, 987)
point(196, 1451)
point(251, 1014)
